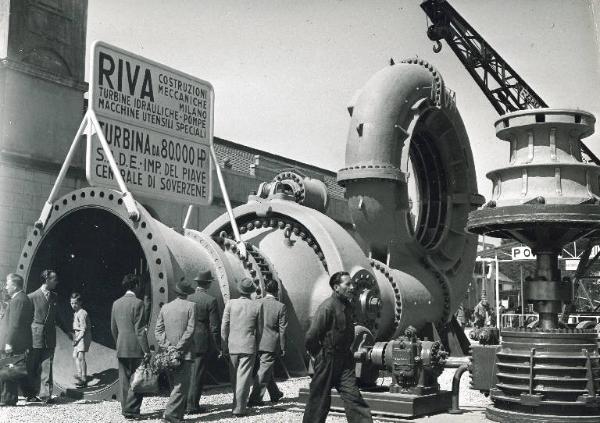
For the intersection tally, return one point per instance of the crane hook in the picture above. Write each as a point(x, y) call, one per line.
point(437, 47)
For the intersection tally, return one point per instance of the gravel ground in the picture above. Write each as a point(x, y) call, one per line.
point(218, 401)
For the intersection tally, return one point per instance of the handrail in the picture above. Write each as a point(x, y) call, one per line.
point(508, 320)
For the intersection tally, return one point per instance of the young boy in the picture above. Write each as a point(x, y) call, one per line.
point(82, 338)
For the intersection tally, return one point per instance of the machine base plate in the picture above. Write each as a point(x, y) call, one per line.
point(394, 405)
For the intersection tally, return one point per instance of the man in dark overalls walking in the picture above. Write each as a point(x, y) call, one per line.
point(329, 340)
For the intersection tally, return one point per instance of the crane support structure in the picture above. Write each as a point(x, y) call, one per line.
point(502, 86)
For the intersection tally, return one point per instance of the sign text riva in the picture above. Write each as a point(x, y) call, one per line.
point(157, 122)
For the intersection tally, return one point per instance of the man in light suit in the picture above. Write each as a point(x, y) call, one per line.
point(240, 330)
point(272, 344)
point(43, 330)
point(128, 327)
point(206, 332)
point(175, 326)
point(16, 336)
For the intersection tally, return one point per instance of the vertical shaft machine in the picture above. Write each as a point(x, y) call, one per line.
point(545, 198)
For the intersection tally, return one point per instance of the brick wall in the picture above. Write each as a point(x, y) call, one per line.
point(23, 192)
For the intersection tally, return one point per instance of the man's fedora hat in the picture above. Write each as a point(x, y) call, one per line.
point(204, 276)
point(184, 288)
point(246, 286)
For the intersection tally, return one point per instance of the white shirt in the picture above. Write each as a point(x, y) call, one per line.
point(45, 291)
point(8, 347)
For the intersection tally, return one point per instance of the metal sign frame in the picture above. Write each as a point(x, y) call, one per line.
point(90, 126)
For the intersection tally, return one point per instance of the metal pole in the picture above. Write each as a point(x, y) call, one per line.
point(188, 216)
point(234, 227)
point(497, 293)
point(45, 214)
point(236, 233)
point(134, 213)
point(522, 299)
point(456, 388)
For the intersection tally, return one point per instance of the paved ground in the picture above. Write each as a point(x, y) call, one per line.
point(219, 402)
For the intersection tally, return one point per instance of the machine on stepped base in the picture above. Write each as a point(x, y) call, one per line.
point(545, 198)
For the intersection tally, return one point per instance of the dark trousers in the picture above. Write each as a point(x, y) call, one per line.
point(335, 371)
point(131, 402)
point(264, 379)
point(196, 381)
point(180, 382)
point(39, 365)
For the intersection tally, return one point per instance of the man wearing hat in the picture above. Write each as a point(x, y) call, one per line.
point(128, 327)
point(272, 344)
point(207, 331)
point(240, 332)
point(175, 326)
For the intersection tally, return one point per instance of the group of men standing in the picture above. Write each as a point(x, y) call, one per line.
point(252, 331)
point(252, 335)
point(27, 325)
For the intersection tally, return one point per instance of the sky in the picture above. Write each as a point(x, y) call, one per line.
point(284, 71)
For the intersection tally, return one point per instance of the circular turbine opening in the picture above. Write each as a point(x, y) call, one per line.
point(427, 190)
point(91, 250)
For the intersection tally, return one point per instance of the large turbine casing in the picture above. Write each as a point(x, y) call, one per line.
point(410, 273)
point(404, 119)
point(304, 248)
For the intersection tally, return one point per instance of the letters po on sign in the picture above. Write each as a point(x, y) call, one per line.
point(522, 253)
point(158, 124)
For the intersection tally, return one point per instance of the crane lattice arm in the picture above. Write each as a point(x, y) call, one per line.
point(502, 86)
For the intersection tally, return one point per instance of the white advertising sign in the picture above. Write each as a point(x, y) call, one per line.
point(571, 264)
point(158, 124)
point(522, 253)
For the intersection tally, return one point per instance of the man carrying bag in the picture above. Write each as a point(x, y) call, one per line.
point(174, 331)
point(16, 340)
point(128, 328)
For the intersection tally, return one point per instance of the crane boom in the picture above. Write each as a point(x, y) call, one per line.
point(503, 87)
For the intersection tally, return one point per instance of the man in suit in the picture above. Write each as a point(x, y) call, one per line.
point(128, 327)
point(272, 343)
point(240, 330)
point(175, 326)
point(207, 331)
point(16, 326)
point(44, 337)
